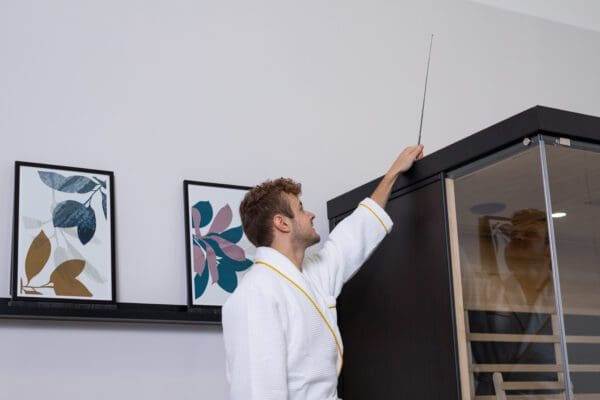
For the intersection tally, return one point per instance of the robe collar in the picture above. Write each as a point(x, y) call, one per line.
point(282, 263)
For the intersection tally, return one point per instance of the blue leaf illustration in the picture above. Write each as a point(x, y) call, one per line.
point(87, 226)
point(234, 265)
point(101, 182)
point(233, 235)
point(206, 212)
point(52, 179)
point(239, 266)
point(77, 184)
point(215, 246)
point(227, 277)
point(200, 283)
point(68, 214)
point(104, 204)
point(199, 243)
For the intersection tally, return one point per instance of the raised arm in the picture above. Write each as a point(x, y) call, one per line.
point(354, 239)
point(402, 164)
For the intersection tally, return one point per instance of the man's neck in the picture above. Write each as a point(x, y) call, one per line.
point(294, 253)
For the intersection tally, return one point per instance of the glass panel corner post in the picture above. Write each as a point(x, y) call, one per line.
point(554, 260)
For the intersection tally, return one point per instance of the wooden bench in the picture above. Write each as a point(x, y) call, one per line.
point(501, 387)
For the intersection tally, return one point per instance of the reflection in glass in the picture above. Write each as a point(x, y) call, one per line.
point(501, 253)
point(574, 177)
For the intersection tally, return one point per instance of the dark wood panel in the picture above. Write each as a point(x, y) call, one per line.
point(396, 314)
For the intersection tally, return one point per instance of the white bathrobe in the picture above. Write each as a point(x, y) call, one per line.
point(280, 328)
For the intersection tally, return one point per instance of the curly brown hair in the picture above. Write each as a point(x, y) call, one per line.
point(261, 204)
point(528, 221)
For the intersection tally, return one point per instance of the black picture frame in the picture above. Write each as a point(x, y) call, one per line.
point(195, 192)
point(66, 215)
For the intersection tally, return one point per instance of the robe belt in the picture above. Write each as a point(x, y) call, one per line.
point(314, 303)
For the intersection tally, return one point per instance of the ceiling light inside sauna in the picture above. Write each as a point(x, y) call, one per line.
point(559, 214)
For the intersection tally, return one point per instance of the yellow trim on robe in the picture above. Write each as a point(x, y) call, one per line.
point(337, 343)
point(375, 215)
point(331, 307)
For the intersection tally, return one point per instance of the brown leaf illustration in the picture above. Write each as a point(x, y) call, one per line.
point(37, 255)
point(68, 270)
point(32, 291)
point(71, 287)
point(64, 280)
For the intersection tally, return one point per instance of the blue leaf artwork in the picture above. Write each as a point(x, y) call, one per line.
point(206, 211)
point(72, 184)
point(104, 205)
point(216, 255)
point(72, 213)
point(101, 182)
point(201, 282)
point(64, 233)
point(234, 235)
point(68, 214)
point(52, 179)
point(87, 226)
point(228, 278)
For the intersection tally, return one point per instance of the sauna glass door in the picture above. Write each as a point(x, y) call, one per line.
point(507, 298)
point(574, 186)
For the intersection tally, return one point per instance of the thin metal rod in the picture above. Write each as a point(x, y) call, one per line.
point(556, 277)
point(425, 90)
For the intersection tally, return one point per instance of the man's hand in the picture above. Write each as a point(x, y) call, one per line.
point(405, 160)
point(402, 164)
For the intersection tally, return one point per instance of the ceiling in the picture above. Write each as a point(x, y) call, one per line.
point(580, 13)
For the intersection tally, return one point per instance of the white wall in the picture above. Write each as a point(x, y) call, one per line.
point(235, 92)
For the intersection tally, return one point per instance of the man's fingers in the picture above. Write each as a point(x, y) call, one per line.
point(412, 153)
point(417, 151)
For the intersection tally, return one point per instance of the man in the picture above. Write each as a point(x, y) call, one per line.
point(529, 285)
point(280, 325)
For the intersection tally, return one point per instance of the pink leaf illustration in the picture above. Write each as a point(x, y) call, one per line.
point(199, 260)
point(231, 250)
point(212, 264)
point(222, 220)
point(196, 218)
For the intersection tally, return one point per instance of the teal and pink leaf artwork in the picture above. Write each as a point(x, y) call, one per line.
point(216, 255)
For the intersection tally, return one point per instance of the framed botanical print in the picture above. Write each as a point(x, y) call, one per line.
point(218, 251)
point(63, 234)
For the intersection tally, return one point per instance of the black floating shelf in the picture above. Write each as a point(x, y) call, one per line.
point(119, 312)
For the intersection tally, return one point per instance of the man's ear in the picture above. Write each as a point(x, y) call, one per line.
point(282, 223)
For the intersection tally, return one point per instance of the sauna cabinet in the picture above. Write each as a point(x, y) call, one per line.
point(488, 286)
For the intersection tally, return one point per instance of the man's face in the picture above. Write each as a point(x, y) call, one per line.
point(529, 243)
point(528, 251)
point(302, 224)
